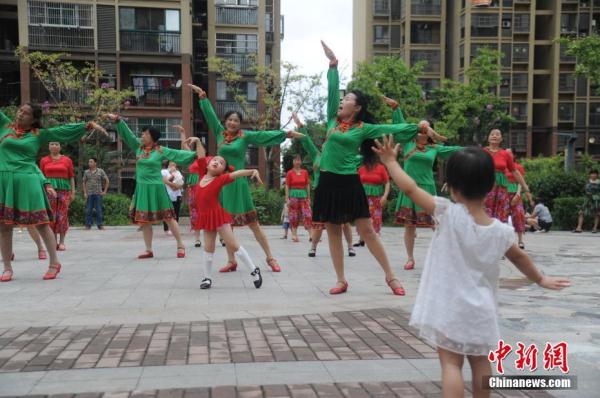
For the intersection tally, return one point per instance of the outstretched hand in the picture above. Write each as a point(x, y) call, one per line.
point(388, 152)
point(328, 53)
point(554, 283)
point(390, 102)
point(193, 140)
point(297, 120)
point(179, 128)
point(201, 93)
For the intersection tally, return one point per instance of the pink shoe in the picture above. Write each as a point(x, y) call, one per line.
point(42, 254)
point(52, 272)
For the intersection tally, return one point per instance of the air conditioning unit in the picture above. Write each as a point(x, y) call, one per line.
point(506, 24)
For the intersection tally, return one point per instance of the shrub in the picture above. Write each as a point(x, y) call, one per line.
point(269, 204)
point(566, 211)
point(115, 209)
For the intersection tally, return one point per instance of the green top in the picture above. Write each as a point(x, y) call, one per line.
point(340, 149)
point(149, 163)
point(18, 152)
point(60, 184)
point(298, 193)
point(236, 197)
point(501, 179)
point(513, 187)
point(418, 163)
point(313, 152)
point(374, 190)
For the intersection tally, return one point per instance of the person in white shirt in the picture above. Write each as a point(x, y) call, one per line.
point(456, 306)
point(174, 182)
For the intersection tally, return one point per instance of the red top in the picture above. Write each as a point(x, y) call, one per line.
point(297, 181)
point(211, 215)
point(377, 176)
point(503, 160)
point(60, 168)
point(194, 168)
point(510, 176)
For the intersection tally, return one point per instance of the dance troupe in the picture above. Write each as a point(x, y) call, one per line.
point(456, 304)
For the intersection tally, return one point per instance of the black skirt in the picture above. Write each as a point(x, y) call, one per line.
point(339, 199)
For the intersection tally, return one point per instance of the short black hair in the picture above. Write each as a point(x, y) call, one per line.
point(470, 172)
point(364, 101)
point(154, 132)
point(593, 171)
point(94, 159)
point(239, 115)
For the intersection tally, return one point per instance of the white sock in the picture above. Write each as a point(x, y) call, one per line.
point(243, 256)
point(208, 260)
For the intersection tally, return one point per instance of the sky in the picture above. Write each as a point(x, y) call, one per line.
point(309, 21)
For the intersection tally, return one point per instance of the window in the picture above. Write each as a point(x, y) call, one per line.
point(505, 85)
point(519, 111)
point(520, 82)
point(249, 89)
point(241, 3)
point(169, 136)
point(475, 48)
point(521, 52)
point(381, 7)
point(60, 14)
point(565, 112)
point(484, 25)
point(582, 87)
point(431, 57)
point(231, 43)
point(461, 51)
point(568, 23)
point(521, 23)
point(580, 114)
point(566, 82)
point(149, 19)
point(381, 34)
point(507, 55)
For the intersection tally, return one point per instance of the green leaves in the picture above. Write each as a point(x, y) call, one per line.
point(587, 52)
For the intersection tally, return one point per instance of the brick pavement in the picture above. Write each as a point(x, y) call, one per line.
point(370, 334)
point(337, 390)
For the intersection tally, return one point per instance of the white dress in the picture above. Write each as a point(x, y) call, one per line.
point(456, 306)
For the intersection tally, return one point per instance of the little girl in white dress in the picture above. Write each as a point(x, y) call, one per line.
point(456, 306)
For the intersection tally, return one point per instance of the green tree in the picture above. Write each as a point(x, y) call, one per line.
point(390, 76)
point(466, 112)
point(290, 89)
point(587, 52)
point(75, 93)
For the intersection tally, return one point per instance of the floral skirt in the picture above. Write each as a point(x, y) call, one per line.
point(590, 207)
point(497, 203)
point(60, 210)
point(151, 204)
point(299, 209)
point(517, 213)
point(191, 200)
point(411, 215)
point(376, 212)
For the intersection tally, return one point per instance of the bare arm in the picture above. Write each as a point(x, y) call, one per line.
point(107, 182)
point(388, 153)
point(519, 177)
point(182, 137)
point(84, 186)
point(200, 150)
point(72, 187)
point(524, 264)
point(246, 173)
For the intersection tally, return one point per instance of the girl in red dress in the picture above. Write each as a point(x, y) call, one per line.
point(211, 217)
point(58, 169)
point(297, 197)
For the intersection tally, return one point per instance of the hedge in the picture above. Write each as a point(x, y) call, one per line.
point(115, 209)
point(566, 212)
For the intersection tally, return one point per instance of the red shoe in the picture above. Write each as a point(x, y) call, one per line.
point(410, 264)
point(296, 239)
point(61, 247)
point(146, 254)
point(338, 289)
point(42, 254)
point(271, 262)
point(231, 266)
point(6, 276)
point(180, 252)
point(398, 291)
point(52, 272)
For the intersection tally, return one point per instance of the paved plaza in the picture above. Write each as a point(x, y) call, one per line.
point(116, 326)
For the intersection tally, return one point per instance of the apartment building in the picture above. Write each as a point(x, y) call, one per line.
point(154, 47)
point(538, 81)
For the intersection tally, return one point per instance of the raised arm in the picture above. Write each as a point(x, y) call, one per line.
point(214, 124)
point(333, 84)
point(397, 115)
point(125, 133)
point(388, 153)
point(200, 150)
point(180, 157)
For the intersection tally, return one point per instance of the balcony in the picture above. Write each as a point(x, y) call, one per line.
point(39, 94)
point(521, 53)
point(565, 113)
point(150, 41)
point(237, 15)
point(60, 37)
point(519, 112)
point(566, 83)
point(428, 8)
point(10, 94)
point(563, 55)
point(381, 8)
point(431, 57)
point(226, 106)
point(521, 23)
point(170, 97)
point(243, 63)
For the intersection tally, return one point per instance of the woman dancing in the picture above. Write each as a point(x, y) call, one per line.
point(297, 197)
point(340, 197)
point(516, 209)
point(497, 204)
point(212, 218)
point(232, 143)
point(23, 199)
point(58, 170)
point(151, 203)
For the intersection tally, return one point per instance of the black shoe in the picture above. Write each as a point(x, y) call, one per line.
point(351, 252)
point(521, 245)
point(222, 242)
point(360, 243)
point(257, 278)
point(577, 231)
point(206, 283)
point(312, 252)
point(198, 244)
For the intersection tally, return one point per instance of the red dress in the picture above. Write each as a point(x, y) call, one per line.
point(210, 214)
point(59, 173)
point(299, 205)
point(497, 201)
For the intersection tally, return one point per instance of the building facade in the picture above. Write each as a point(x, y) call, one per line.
point(153, 47)
point(538, 81)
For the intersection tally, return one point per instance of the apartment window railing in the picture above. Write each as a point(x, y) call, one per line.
point(150, 41)
point(243, 63)
point(426, 7)
point(565, 112)
point(519, 112)
point(520, 83)
point(39, 94)
point(521, 53)
point(431, 57)
point(521, 23)
point(381, 35)
point(484, 25)
point(60, 37)
point(157, 97)
point(563, 54)
point(594, 117)
point(566, 83)
point(165, 126)
point(228, 15)
point(381, 7)
point(251, 110)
